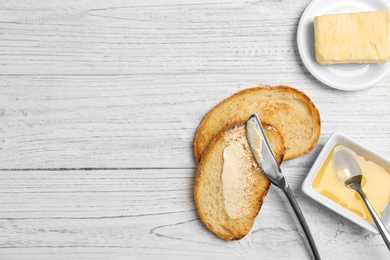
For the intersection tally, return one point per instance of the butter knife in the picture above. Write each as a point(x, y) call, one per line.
point(266, 160)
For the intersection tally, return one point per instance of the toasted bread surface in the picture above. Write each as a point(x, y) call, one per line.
point(286, 108)
point(209, 194)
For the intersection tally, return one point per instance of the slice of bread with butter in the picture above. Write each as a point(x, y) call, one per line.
point(352, 37)
point(230, 187)
point(286, 108)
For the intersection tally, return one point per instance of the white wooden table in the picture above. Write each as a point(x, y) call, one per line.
point(99, 105)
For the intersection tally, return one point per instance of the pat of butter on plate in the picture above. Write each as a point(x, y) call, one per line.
point(352, 37)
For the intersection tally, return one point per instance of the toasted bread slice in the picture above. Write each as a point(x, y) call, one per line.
point(210, 197)
point(286, 108)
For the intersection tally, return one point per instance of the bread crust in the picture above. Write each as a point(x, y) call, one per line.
point(238, 231)
point(199, 144)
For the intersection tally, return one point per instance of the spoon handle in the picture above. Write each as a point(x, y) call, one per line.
point(301, 219)
point(381, 227)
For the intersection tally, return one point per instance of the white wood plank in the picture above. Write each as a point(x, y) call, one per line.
point(146, 214)
point(127, 121)
point(148, 37)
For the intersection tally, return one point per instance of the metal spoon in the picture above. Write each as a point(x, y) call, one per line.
point(349, 172)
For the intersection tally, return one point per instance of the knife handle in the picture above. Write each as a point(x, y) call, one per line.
point(301, 219)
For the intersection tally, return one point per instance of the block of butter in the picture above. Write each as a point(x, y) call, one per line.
point(352, 38)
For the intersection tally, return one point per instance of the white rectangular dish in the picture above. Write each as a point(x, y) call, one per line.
point(307, 186)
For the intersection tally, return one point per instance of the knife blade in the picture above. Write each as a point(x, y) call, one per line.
point(266, 160)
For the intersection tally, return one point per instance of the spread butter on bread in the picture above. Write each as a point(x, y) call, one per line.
point(286, 108)
point(230, 187)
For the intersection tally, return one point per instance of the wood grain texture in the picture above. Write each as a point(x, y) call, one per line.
point(148, 37)
point(130, 122)
point(144, 214)
point(99, 105)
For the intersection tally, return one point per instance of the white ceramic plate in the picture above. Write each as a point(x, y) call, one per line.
point(343, 76)
point(307, 186)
